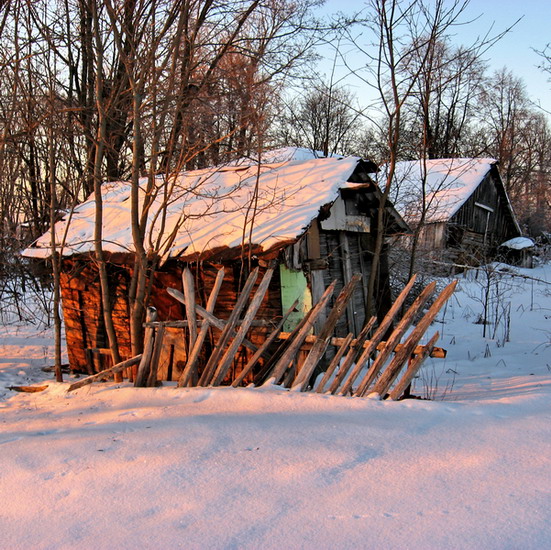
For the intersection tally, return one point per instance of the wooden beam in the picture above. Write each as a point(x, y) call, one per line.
point(119, 367)
point(437, 353)
point(149, 341)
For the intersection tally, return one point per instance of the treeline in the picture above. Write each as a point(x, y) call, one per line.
point(92, 91)
point(106, 89)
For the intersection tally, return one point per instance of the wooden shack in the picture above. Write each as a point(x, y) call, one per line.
point(461, 204)
point(310, 217)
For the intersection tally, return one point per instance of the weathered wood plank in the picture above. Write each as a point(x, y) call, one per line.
point(191, 364)
point(105, 374)
point(229, 355)
point(320, 345)
point(415, 364)
point(393, 369)
point(395, 338)
point(28, 389)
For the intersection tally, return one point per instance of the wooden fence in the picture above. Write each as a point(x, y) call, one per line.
point(360, 366)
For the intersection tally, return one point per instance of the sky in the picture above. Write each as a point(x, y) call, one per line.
point(514, 51)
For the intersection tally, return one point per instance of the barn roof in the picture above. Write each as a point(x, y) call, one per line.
point(262, 204)
point(448, 185)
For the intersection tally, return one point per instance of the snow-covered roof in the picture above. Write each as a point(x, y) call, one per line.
point(448, 185)
point(518, 243)
point(285, 154)
point(211, 208)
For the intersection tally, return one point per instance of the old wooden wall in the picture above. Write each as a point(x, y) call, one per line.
point(83, 314)
point(476, 221)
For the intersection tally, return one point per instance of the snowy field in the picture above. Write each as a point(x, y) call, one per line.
point(110, 466)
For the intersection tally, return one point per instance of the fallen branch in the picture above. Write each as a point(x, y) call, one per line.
point(27, 389)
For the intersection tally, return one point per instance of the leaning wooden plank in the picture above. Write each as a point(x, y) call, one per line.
point(334, 363)
point(391, 372)
point(228, 331)
point(378, 336)
point(400, 387)
point(228, 357)
point(254, 359)
point(155, 357)
point(105, 373)
point(189, 297)
point(320, 345)
point(395, 338)
point(291, 351)
point(261, 377)
point(220, 324)
point(352, 355)
point(191, 364)
point(149, 341)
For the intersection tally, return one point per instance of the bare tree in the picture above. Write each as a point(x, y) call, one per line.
point(403, 31)
point(326, 118)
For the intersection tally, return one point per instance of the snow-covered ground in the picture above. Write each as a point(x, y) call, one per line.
point(111, 467)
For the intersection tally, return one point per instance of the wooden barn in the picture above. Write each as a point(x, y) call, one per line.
point(312, 218)
point(462, 205)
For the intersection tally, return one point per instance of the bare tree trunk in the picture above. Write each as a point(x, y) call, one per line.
point(56, 262)
point(98, 226)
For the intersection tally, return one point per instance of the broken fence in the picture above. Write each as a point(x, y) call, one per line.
point(360, 366)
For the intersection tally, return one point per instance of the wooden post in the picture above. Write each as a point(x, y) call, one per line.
point(155, 357)
point(149, 340)
point(189, 298)
point(189, 370)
